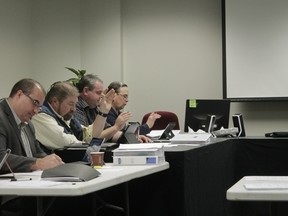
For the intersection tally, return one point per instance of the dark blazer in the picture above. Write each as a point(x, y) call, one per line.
point(10, 137)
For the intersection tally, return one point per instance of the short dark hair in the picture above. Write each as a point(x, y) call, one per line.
point(26, 85)
point(88, 80)
point(116, 86)
point(61, 90)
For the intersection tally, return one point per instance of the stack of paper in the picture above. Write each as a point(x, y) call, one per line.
point(188, 138)
point(155, 134)
point(139, 154)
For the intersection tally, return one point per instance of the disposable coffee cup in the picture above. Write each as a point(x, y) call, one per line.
point(97, 158)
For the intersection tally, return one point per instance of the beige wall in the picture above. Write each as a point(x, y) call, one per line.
point(165, 50)
point(169, 48)
point(15, 42)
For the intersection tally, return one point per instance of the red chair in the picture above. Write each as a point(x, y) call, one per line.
point(161, 123)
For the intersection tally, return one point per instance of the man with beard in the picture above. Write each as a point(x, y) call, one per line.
point(55, 124)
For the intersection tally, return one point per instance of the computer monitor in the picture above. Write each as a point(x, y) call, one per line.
point(199, 112)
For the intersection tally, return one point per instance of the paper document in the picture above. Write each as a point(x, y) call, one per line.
point(148, 149)
point(158, 133)
point(140, 146)
point(155, 133)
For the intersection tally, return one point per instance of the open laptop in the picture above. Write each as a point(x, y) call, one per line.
point(167, 133)
point(130, 134)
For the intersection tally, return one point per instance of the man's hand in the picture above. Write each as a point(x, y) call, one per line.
point(122, 119)
point(144, 139)
point(49, 161)
point(105, 101)
point(152, 118)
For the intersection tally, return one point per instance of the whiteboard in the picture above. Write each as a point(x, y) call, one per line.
point(256, 46)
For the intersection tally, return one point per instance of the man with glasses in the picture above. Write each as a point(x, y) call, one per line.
point(120, 101)
point(17, 132)
point(87, 109)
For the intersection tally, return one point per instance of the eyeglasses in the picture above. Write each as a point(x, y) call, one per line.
point(125, 96)
point(35, 102)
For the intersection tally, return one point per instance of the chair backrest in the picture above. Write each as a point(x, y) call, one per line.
point(166, 118)
point(70, 155)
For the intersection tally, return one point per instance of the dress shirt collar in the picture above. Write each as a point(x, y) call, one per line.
point(117, 112)
point(82, 103)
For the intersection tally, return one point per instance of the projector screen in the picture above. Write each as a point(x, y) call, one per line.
point(255, 49)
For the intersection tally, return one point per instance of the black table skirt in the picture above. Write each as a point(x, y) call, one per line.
point(198, 178)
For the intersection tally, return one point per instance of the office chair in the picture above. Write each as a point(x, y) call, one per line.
point(161, 123)
point(70, 155)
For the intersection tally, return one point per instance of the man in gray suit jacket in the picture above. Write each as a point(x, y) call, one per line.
point(17, 132)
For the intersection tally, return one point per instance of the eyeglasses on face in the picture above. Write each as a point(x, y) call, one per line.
point(35, 102)
point(125, 96)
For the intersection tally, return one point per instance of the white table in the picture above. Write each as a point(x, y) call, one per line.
point(260, 188)
point(110, 176)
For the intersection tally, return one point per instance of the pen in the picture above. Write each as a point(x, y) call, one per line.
point(21, 179)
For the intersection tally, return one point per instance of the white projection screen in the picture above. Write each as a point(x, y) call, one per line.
point(255, 56)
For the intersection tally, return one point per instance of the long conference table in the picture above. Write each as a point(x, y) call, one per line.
point(199, 176)
point(271, 189)
point(264, 188)
point(110, 176)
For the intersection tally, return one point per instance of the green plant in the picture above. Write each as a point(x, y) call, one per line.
point(78, 73)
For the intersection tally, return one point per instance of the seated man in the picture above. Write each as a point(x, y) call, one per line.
point(120, 101)
point(55, 125)
point(17, 132)
point(91, 88)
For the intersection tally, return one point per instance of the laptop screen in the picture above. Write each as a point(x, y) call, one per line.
point(130, 133)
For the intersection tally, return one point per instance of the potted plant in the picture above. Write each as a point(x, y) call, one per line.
point(78, 73)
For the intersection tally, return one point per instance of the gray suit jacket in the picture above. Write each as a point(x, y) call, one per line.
point(10, 137)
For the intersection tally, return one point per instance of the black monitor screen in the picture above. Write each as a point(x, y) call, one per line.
point(198, 111)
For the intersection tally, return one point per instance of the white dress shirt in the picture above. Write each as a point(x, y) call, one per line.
point(52, 135)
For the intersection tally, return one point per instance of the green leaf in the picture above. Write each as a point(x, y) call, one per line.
point(79, 74)
point(82, 72)
point(73, 70)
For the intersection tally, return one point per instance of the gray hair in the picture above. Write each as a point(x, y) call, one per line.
point(88, 80)
point(61, 90)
